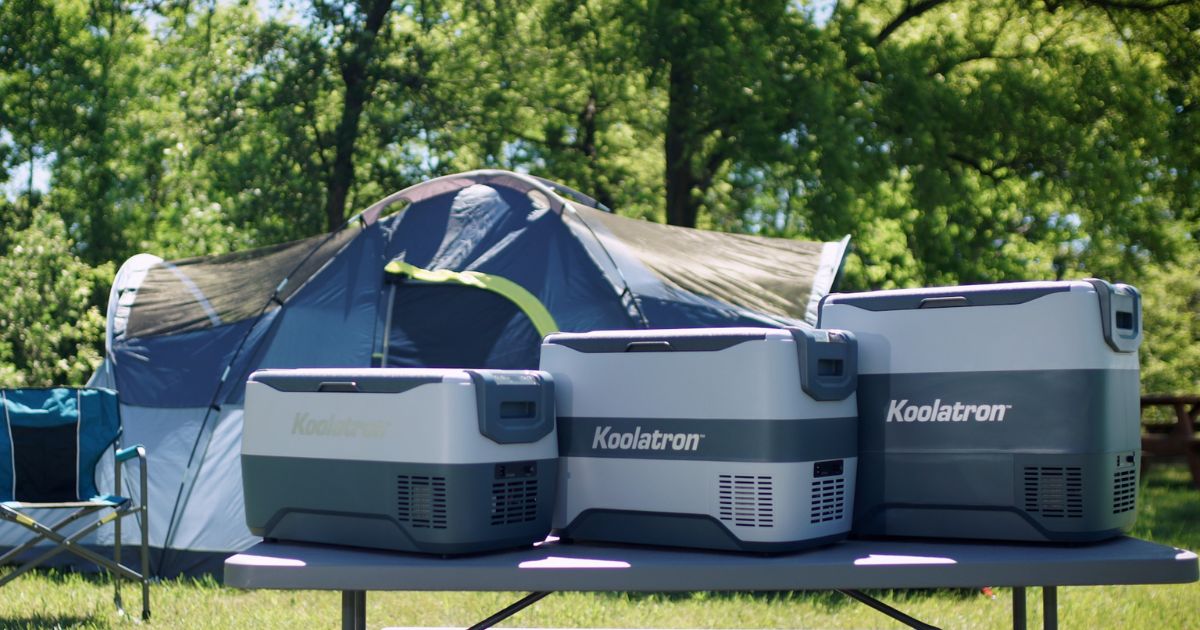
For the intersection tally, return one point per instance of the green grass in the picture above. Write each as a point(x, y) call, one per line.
point(1169, 513)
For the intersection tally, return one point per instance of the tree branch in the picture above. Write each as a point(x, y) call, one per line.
point(976, 164)
point(910, 12)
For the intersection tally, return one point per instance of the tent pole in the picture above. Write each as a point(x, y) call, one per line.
point(387, 325)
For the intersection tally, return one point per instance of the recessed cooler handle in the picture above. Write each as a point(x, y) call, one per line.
point(649, 346)
point(514, 409)
point(345, 387)
point(828, 362)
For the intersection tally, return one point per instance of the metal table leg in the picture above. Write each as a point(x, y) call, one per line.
point(1050, 607)
point(354, 610)
point(515, 608)
point(1018, 608)
point(863, 598)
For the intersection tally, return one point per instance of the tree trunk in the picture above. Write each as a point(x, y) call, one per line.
point(681, 209)
point(355, 64)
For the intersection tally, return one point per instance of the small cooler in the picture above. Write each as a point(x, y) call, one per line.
point(430, 460)
point(734, 438)
point(1006, 411)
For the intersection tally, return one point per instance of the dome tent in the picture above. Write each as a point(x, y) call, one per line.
point(472, 272)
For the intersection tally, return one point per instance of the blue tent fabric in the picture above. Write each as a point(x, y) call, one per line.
point(326, 301)
point(178, 370)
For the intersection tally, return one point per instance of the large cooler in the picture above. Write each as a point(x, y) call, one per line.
point(430, 460)
point(735, 438)
point(1006, 411)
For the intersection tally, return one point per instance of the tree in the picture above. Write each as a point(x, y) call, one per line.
point(1170, 361)
point(554, 89)
point(354, 28)
point(717, 62)
point(50, 329)
point(978, 142)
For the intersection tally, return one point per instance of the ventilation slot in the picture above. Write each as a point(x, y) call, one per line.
point(828, 500)
point(421, 501)
point(747, 500)
point(1124, 490)
point(1054, 491)
point(514, 501)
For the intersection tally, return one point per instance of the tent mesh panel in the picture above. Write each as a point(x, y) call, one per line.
point(769, 275)
point(198, 293)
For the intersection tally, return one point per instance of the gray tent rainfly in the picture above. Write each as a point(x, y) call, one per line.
point(471, 273)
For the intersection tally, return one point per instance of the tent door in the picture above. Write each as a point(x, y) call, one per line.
point(449, 325)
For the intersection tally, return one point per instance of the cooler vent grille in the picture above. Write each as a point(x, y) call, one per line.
point(1124, 490)
point(747, 500)
point(828, 499)
point(514, 501)
point(1054, 491)
point(421, 501)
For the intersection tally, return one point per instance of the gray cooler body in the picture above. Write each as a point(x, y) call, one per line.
point(428, 460)
point(738, 438)
point(1006, 412)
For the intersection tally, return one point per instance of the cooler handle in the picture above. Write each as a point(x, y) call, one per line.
point(514, 413)
point(1120, 315)
point(828, 362)
point(338, 386)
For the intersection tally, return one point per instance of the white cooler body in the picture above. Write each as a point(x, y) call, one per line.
point(1005, 411)
point(737, 438)
point(429, 460)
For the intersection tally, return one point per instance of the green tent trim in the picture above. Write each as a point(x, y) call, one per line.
point(515, 293)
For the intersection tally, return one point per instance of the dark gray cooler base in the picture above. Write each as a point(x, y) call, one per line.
point(430, 508)
point(1055, 498)
point(1058, 463)
point(674, 530)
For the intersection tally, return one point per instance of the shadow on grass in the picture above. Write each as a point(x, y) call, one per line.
point(60, 576)
point(40, 622)
point(829, 601)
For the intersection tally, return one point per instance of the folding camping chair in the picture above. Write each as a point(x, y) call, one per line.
point(53, 441)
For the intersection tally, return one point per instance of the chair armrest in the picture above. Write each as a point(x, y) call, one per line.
point(137, 450)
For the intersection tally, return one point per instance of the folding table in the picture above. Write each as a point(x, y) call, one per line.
point(846, 567)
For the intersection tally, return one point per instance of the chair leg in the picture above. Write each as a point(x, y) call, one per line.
point(61, 544)
point(145, 522)
point(11, 515)
point(117, 559)
point(145, 516)
point(68, 543)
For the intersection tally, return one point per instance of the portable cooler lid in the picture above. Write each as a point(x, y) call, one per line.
point(513, 406)
point(828, 359)
point(1120, 304)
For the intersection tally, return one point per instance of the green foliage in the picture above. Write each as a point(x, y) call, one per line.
point(956, 141)
point(49, 322)
point(1170, 356)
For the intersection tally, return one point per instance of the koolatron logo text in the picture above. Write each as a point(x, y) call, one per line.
point(901, 411)
point(606, 439)
point(305, 424)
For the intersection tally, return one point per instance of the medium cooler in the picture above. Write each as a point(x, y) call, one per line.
point(431, 460)
point(1006, 411)
point(735, 438)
